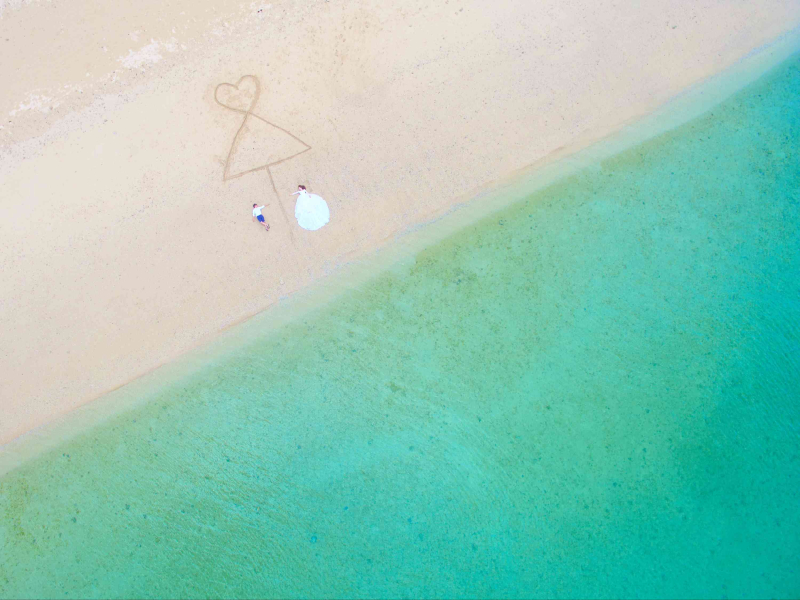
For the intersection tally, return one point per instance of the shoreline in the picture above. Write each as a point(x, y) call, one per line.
point(399, 252)
point(123, 281)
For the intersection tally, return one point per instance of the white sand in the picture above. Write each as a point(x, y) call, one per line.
point(121, 246)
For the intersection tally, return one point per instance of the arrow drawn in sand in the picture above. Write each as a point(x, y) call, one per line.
point(278, 145)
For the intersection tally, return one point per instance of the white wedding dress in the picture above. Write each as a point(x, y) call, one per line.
point(311, 211)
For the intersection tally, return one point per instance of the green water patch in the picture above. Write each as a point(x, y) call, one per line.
point(592, 393)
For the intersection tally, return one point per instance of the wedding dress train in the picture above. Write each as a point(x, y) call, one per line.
point(311, 211)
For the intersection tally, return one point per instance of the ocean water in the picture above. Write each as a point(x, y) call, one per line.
point(592, 393)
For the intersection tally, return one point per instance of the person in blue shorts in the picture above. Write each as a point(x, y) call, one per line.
point(257, 216)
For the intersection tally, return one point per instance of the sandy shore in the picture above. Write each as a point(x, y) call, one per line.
point(121, 244)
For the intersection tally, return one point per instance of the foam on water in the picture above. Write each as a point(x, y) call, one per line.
point(590, 393)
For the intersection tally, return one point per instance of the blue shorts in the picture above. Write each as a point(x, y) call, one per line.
point(260, 218)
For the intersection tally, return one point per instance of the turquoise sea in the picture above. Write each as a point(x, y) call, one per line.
point(594, 392)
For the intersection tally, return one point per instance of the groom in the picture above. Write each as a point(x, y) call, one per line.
point(257, 216)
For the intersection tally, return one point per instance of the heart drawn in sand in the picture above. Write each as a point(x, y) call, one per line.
point(258, 144)
point(241, 97)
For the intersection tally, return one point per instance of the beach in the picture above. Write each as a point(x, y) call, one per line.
point(531, 331)
point(123, 245)
point(581, 384)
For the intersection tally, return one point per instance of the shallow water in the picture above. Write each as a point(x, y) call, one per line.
point(591, 393)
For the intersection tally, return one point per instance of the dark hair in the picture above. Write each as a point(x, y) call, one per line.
point(302, 187)
point(254, 205)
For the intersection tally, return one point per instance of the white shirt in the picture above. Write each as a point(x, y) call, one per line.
point(257, 211)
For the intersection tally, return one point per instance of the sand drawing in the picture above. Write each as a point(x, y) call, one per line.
point(277, 145)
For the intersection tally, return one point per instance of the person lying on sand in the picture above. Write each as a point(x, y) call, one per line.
point(311, 211)
point(259, 217)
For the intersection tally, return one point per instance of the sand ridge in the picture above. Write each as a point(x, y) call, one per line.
point(123, 244)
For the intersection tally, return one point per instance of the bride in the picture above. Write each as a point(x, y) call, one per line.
point(311, 211)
